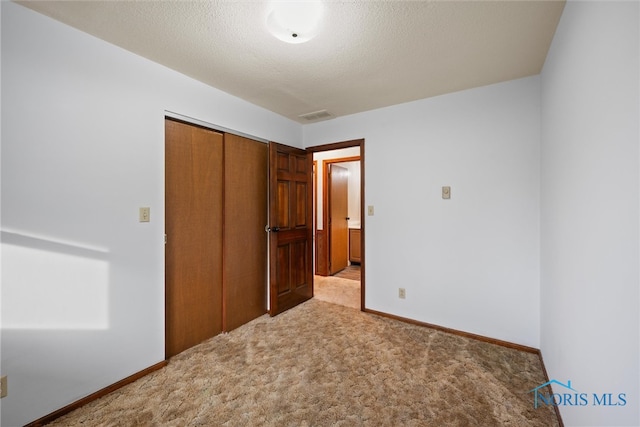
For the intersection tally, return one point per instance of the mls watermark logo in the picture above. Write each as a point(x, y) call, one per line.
point(572, 397)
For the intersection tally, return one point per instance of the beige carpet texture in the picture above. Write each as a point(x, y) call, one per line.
point(322, 364)
point(336, 290)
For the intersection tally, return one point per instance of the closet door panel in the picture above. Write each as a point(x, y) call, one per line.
point(193, 224)
point(245, 239)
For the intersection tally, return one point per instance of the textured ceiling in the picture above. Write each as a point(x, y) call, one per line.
point(367, 54)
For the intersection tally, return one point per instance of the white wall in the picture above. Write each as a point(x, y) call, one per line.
point(589, 217)
point(82, 150)
point(470, 263)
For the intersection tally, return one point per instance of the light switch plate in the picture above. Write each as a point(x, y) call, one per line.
point(446, 192)
point(145, 214)
point(370, 210)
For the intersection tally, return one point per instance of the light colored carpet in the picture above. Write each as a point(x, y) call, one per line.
point(322, 364)
point(335, 290)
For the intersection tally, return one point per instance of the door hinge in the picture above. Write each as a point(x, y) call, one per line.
point(165, 239)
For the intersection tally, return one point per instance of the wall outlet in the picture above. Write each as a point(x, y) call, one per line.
point(446, 192)
point(402, 294)
point(3, 386)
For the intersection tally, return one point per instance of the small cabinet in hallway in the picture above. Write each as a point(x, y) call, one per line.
point(354, 245)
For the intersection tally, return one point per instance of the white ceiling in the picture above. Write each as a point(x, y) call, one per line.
point(367, 55)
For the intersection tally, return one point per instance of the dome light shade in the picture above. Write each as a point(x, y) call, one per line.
point(295, 21)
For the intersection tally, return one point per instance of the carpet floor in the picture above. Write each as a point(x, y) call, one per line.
point(322, 364)
point(336, 290)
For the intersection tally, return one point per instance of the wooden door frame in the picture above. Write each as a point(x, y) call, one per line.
point(337, 146)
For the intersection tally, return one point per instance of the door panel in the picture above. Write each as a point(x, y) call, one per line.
point(338, 223)
point(283, 204)
point(290, 239)
point(193, 224)
point(301, 201)
point(245, 243)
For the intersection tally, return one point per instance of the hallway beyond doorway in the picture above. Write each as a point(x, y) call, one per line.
point(336, 290)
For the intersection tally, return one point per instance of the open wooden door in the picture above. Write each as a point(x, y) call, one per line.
point(338, 220)
point(291, 227)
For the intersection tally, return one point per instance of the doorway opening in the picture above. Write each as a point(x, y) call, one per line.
point(339, 223)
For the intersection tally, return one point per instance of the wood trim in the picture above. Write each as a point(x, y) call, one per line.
point(95, 396)
point(325, 212)
point(337, 146)
point(362, 223)
point(457, 332)
point(342, 159)
point(315, 198)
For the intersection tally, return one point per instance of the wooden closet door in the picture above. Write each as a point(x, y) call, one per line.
point(245, 239)
point(193, 224)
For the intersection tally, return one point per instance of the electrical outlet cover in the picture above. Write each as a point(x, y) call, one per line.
point(446, 192)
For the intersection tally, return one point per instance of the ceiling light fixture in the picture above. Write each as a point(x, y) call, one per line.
point(295, 21)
